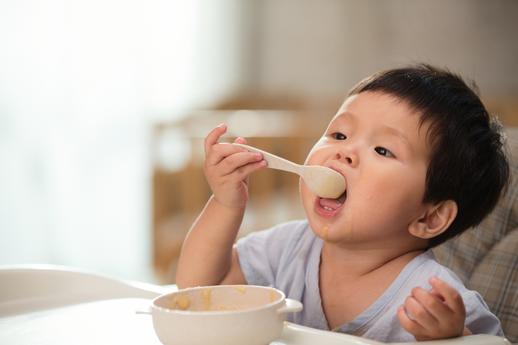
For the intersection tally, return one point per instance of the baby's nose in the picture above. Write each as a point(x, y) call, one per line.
point(347, 156)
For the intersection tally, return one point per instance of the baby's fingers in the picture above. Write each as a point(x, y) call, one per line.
point(432, 303)
point(419, 313)
point(410, 325)
point(238, 161)
point(212, 138)
point(451, 297)
point(242, 172)
point(218, 152)
point(240, 140)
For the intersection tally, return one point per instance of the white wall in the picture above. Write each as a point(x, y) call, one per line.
point(80, 84)
point(317, 48)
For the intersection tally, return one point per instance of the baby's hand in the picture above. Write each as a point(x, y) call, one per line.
point(434, 314)
point(227, 167)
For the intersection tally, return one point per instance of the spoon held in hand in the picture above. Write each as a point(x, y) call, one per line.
point(323, 181)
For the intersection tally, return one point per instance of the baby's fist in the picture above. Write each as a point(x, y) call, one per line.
point(435, 314)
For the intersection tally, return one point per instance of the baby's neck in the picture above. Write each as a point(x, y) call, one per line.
point(351, 280)
point(359, 262)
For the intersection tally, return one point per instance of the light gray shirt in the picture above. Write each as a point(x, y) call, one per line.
point(287, 257)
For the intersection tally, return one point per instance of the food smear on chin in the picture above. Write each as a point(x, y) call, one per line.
point(325, 232)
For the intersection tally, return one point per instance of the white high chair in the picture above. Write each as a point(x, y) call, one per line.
point(57, 305)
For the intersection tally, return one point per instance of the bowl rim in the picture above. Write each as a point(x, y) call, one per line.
point(217, 312)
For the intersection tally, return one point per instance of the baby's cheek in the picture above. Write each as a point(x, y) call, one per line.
point(304, 191)
point(306, 197)
point(313, 153)
point(309, 158)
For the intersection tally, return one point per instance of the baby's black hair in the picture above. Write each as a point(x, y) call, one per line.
point(468, 163)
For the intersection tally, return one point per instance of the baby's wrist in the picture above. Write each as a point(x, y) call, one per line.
point(233, 207)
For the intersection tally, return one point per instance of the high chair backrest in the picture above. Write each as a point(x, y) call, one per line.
point(486, 257)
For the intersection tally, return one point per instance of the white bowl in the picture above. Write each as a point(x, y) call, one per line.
point(223, 314)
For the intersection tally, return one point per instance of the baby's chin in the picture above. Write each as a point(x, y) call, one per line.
point(325, 231)
point(322, 232)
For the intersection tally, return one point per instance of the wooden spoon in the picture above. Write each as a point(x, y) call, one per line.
point(324, 182)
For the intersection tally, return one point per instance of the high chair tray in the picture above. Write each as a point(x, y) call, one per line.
point(55, 305)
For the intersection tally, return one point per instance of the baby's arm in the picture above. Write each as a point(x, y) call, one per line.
point(207, 257)
point(435, 314)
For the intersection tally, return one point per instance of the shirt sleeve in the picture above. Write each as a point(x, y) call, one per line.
point(261, 253)
point(479, 319)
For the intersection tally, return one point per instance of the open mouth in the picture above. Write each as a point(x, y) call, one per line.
point(330, 207)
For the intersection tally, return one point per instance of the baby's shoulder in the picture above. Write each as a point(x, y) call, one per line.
point(290, 232)
point(426, 266)
point(291, 236)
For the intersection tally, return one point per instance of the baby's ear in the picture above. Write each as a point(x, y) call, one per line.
point(435, 220)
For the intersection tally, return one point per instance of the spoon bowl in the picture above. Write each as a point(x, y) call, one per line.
point(323, 181)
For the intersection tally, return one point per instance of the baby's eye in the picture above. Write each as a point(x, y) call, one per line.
point(384, 152)
point(338, 136)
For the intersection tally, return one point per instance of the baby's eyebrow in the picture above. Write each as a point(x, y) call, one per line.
point(395, 132)
point(345, 115)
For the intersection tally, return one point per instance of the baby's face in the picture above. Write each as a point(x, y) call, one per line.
point(376, 143)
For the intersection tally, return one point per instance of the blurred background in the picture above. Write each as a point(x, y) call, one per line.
point(104, 106)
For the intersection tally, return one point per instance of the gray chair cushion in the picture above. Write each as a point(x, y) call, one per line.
point(486, 257)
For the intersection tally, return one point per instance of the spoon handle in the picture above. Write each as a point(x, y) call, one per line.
point(275, 162)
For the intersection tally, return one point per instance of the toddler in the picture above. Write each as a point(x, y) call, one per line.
point(423, 161)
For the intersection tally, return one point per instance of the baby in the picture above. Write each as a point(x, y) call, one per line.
point(423, 162)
